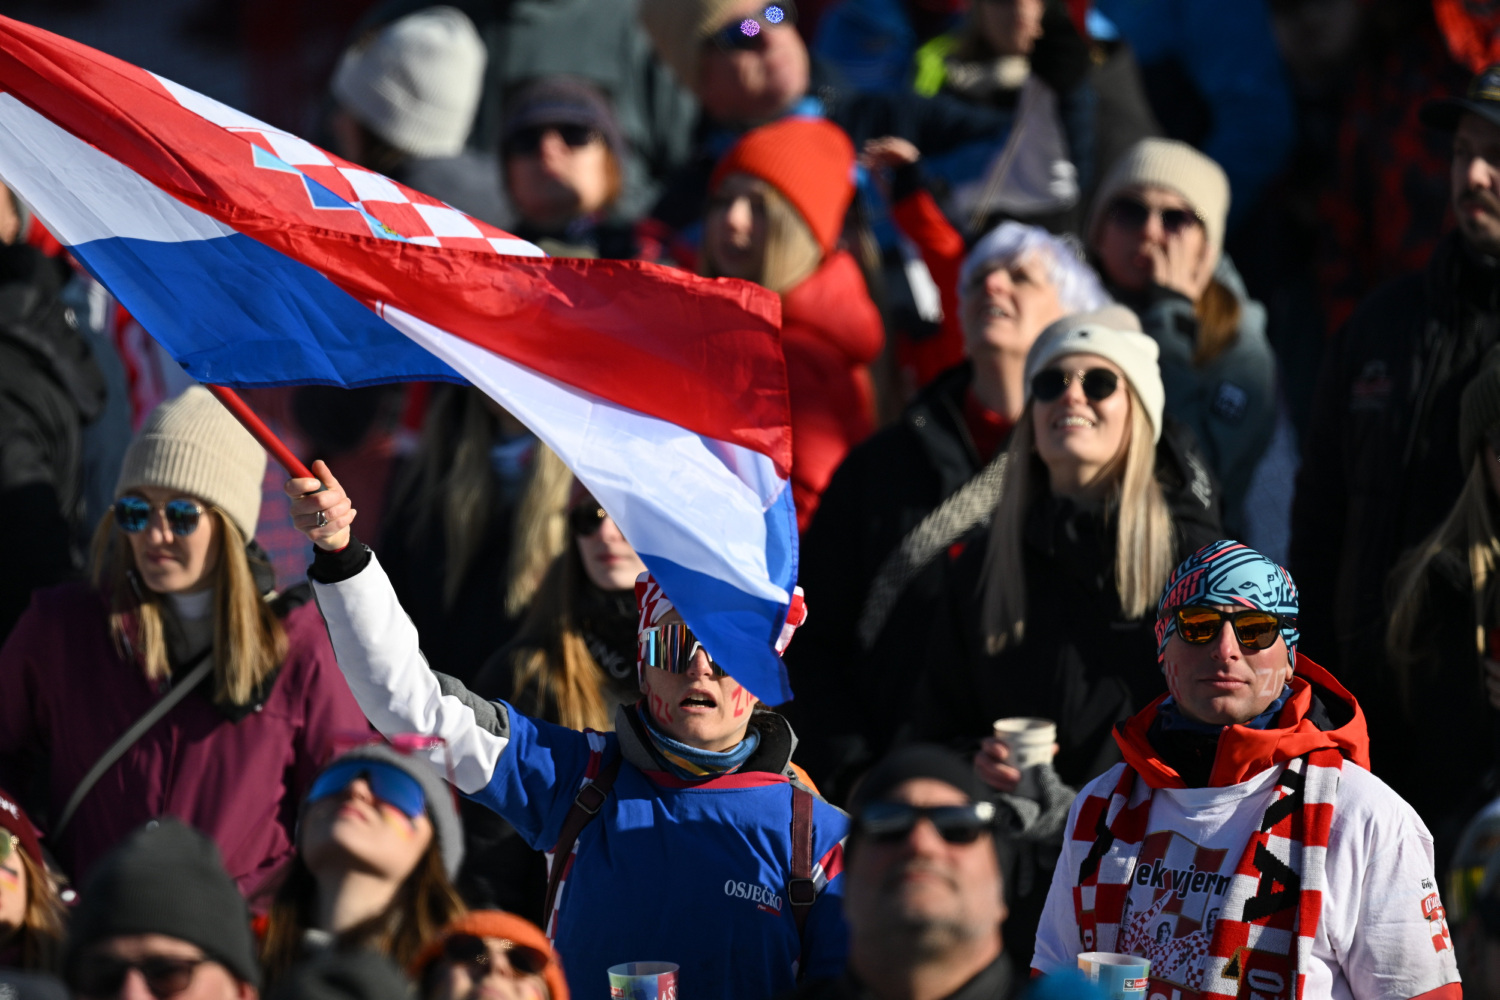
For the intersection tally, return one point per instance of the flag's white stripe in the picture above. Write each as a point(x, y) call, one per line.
point(86, 194)
point(695, 501)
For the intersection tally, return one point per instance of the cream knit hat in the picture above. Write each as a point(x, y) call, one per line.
point(191, 443)
point(416, 83)
point(1176, 165)
point(678, 28)
point(1113, 333)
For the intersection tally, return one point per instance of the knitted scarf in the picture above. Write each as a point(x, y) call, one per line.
point(691, 763)
point(1262, 941)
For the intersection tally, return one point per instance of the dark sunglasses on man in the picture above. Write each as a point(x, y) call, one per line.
point(528, 141)
point(890, 822)
point(103, 975)
point(745, 33)
point(133, 514)
point(1254, 628)
point(473, 954)
point(1132, 213)
point(1050, 383)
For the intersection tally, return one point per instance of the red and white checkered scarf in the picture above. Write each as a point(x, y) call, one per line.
point(1262, 942)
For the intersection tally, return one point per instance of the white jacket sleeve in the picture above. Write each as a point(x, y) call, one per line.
point(377, 649)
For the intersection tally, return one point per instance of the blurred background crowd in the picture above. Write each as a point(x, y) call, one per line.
point(1298, 201)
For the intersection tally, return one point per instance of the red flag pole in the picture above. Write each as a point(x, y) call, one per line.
point(258, 429)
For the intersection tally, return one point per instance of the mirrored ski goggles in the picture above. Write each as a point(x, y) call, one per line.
point(671, 648)
point(133, 515)
point(387, 782)
point(889, 822)
point(1254, 628)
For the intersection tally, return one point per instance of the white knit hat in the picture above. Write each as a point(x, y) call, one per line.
point(1179, 167)
point(1113, 333)
point(192, 444)
point(416, 83)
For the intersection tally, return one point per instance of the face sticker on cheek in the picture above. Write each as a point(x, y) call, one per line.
point(741, 701)
point(397, 820)
point(1268, 676)
point(10, 879)
point(660, 710)
point(1174, 682)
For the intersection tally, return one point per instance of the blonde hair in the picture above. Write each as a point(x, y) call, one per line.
point(425, 903)
point(1469, 529)
point(452, 484)
point(42, 927)
point(1218, 312)
point(249, 640)
point(792, 253)
point(1141, 519)
point(553, 658)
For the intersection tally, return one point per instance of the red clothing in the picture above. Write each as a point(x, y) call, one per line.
point(1244, 752)
point(66, 691)
point(830, 332)
point(942, 248)
point(987, 429)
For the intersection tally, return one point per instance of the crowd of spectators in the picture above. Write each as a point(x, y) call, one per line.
point(1144, 377)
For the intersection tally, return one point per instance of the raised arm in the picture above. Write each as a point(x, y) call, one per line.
point(377, 645)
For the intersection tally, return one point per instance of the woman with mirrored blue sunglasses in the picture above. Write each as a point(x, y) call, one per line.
point(181, 603)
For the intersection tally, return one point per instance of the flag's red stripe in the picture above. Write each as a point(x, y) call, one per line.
point(701, 354)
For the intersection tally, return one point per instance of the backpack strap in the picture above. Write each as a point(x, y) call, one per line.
point(801, 890)
point(586, 805)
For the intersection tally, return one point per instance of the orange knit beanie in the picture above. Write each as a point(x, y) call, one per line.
point(810, 161)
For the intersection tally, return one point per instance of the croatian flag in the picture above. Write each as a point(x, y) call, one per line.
point(257, 259)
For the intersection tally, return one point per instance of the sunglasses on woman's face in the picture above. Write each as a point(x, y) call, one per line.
point(104, 975)
point(387, 782)
point(586, 519)
point(671, 648)
point(527, 141)
point(9, 842)
point(1254, 628)
point(1050, 383)
point(1132, 213)
point(474, 955)
point(133, 515)
point(890, 822)
point(745, 33)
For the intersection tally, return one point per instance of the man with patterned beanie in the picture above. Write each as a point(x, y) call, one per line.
point(1243, 847)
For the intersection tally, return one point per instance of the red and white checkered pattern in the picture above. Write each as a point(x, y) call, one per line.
point(1248, 951)
point(651, 602)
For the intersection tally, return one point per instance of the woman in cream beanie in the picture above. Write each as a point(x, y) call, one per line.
point(1156, 235)
point(1101, 496)
point(180, 594)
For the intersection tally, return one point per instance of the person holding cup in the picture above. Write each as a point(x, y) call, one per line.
point(1050, 610)
point(1242, 846)
point(686, 811)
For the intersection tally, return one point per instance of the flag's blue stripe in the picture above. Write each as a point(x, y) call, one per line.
point(726, 618)
point(235, 312)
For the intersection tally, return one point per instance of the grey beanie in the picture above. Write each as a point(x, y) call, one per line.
point(190, 443)
point(416, 83)
point(1479, 408)
point(166, 878)
point(1179, 167)
point(440, 807)
point(1113, 333)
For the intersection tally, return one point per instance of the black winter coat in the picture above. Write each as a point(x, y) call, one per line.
point(855, 694)
point(1081, 663)
point(50, 388)
point(1380, 466)
point(1438, 743)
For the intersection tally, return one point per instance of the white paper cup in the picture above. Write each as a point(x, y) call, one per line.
point(1030, 740)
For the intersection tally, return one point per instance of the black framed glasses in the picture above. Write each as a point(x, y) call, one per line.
point(104, 975)
point(1254, 628)
point(527, 141)
point(473, 953)
point(1050, 383)
point(133, 515)
point(889, 822)
point(745, 33)
point(1132, 213)
point(671, 648)
point(586, 519)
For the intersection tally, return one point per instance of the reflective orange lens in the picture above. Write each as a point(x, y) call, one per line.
point(1255, 629)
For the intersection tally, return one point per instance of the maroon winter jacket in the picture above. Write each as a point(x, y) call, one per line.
point(66, 690)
